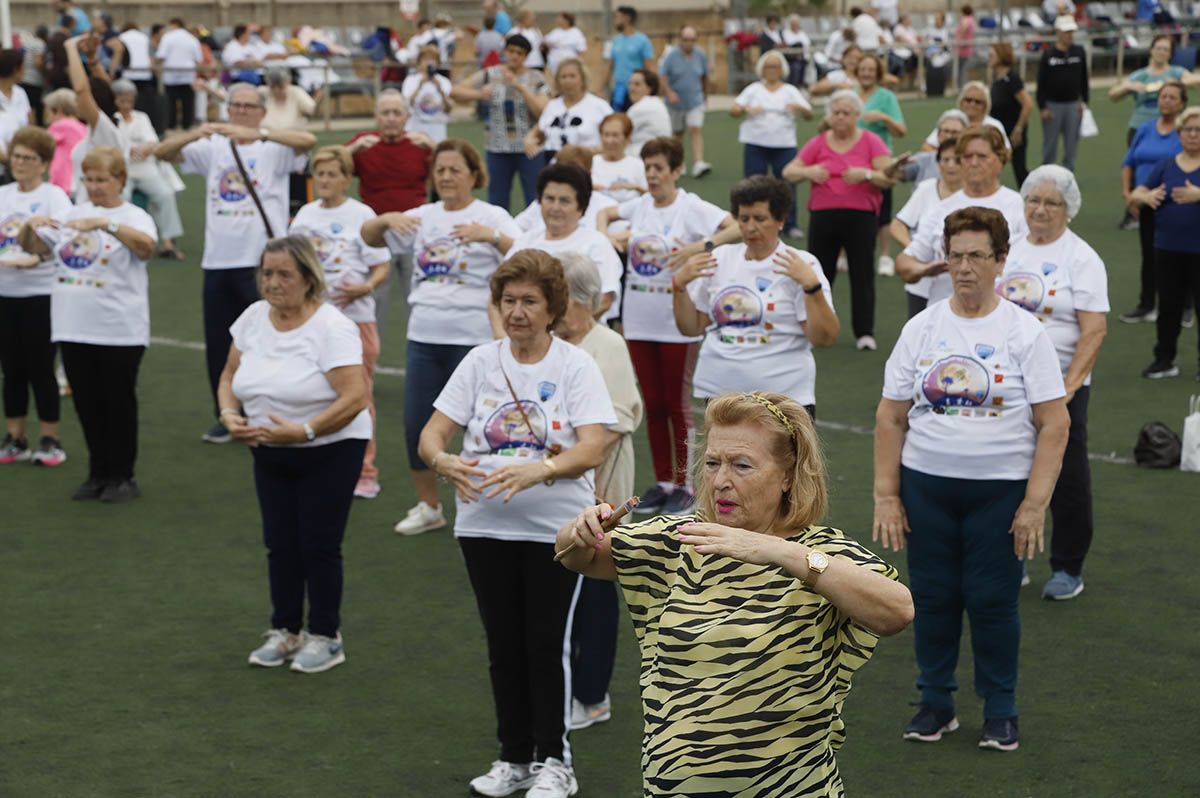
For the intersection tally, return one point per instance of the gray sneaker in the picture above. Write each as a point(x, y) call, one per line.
point(319, 654)
point(1062, 586)
point(281, 645)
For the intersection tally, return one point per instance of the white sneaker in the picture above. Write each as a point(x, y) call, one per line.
point(887, 266)
point(843, 265)
point(320, 653)
point(866, 343)
point(421, 518)
point(584, 715)
point(281, 646)
point(701, 168)
point(504, 778)
point(554, 780)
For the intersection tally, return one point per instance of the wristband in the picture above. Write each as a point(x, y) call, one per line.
point(229, 411)
point(496, 239)
point(814, 289)
point(309, 434)
point(550, 464)
point(433, 463)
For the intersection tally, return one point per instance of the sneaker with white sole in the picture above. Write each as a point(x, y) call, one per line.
point(680, 502)
point(421, 518)
point(866, 343)
point(552, 779)
point(887, 266)
point(1160, 370)
point(1000, 734)
point(504, 778)
point(319, 654)
point(49, 453)
point(795, 233)
point(929, 724)
point(281, 646)
point(701, 168)
point(367, 488)
point(585, 715)
point(14, 450)
point(1062, 586)
point(1188, 321)
point(216, 434)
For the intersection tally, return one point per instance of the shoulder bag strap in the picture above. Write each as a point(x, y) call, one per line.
point(237, 157)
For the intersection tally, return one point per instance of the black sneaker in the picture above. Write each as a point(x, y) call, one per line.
point(217, 434)
point(1000, 734)
point(1130, 222)
point(1139, 314)
point(651, 501)
point(89, 491)
point(679, 502)
point(1160, 369)
point(929, 724)
point(121, 492)
point(14, 450)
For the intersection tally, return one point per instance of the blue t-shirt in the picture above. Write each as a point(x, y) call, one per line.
point(685, 74)
point(628, 53)
point(1175, 225)
point(1148, 149)
point(1146, 9)
point(82, 23)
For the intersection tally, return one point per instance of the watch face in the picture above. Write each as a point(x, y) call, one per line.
point(818, 561)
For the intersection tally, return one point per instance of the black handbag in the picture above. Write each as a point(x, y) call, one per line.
point(1157, 446)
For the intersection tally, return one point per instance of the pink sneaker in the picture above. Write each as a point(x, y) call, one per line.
point(49, 453)
point(367, 488)
point(13, 450)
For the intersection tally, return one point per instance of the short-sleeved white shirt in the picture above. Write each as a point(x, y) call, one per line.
point(990, 121)
point(654, 234)
point(756, 341)
point(563, 43)
point(776, 126)
point(234, 233)
point(579, 124)
point(429, 114)
point(137, 44)
point(15, 207)
point(927, 245)
point(101, 293)
point(104, 133)
point(591, 243)
point(972, 383)
point(283, 373)
point(345, 257)
point(558, 394)
point(450, 291)
point(531, 218)
point(627, 170)
point(179, 51)
point(1053, 282)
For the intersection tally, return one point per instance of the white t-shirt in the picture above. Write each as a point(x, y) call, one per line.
point(923, 197)
point(345, 257)
point(530, 219)
point(450, 291)
point(179, 52)
point(651, 119)
point(15, 207)
point(563, 43)
point(428, 106)
point(626, 170)
point(14, 115)
point(137, 44)
point(534, 60)
point(283, 373)
point(866, 32)
point(559, 394)
point(972, 383)
point(591, 243)
point(927, 245)
point(932, 139)
point(654, 234)
point(1053, 281)
point(776, 126)
point(102, 293)
point(236, 52)
point(234, 233)
point(756, 341)
point(579, 124)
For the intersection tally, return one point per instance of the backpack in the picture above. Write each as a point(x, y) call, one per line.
point(1157, 446)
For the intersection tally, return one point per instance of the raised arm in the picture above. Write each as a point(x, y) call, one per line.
point(689, 319)
point(85, 104)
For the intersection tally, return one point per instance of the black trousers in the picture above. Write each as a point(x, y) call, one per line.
point(1020, 170)
point(147, 103)
point(526, 601)
point(27, 357)
point(834, 230)
point(1146, 297)
point(1177, 280)
point(227, 292)
point(915, 303)
point(594, 640)
point(181, 106)
point(35, 102)
point(104, 385)
point(305, 494)
point(1071, 503)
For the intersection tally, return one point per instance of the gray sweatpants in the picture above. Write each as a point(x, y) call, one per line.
point(1065, 119)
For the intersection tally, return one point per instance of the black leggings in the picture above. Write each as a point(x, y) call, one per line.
point(104, 385)
point(854, 231)
point(1177, 278)
point(27, 357)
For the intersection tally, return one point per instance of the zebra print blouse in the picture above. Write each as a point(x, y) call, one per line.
point(743, 668)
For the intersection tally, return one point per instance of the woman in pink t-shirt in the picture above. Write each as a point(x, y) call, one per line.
point(845, 166)
point(67, 131)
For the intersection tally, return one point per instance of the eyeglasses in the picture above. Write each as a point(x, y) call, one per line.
point(1048, 204)
point(974, 101)
point(955, 258)
point(244, 106)
point(23, 158)
point(1189, 130)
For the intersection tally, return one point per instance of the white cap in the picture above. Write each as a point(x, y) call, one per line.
point(1065, 23)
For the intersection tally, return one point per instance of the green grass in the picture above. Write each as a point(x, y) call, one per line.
point(123, 668)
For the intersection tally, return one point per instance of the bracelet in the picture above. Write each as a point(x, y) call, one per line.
point(550, 464)
point(433, 463)
point(814, 289)
point(496, 238)
point(229, 411)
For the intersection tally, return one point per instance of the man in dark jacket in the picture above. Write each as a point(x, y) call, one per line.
point(1062, 93)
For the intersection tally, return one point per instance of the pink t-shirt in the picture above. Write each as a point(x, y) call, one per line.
point(67, 132)
point(834, 193)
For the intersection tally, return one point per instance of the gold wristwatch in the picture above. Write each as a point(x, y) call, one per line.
point(817, 563)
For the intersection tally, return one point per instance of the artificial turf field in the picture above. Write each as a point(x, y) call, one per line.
point(124, 670)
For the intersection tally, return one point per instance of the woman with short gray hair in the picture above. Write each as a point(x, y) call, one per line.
point(155, 179)
point(288, 106)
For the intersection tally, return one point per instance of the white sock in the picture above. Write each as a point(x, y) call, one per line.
point(667, 487)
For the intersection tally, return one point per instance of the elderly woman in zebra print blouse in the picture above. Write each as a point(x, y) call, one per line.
point(751, 616)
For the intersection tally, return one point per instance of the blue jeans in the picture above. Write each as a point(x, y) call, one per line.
point(757, 160)
point(503, 166)
point(960, 557)
point(594, 640)
point(427, 369)
point(227, 292)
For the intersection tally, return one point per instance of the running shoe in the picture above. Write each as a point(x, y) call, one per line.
point(49, 453)
point(319, 654)
point(504, 778)
point(929, 724)
point(14, 450)
point(1000, 734)
point(281, 646)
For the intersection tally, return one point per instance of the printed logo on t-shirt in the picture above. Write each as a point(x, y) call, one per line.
point(956, 381)
point(438, 257)
point(232, 187)
point(648, 255)
point(324, 245)
point(507, 430)
point(429, 103)
point(10, 227)
point(737, 306)
point(1024, 289)
point(81, 251)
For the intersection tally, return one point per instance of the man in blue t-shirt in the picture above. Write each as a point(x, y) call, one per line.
point(684, 71)
point(630, 49)
point(82, 23)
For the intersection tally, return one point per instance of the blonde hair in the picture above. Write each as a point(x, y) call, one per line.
point(794, 446)
point(107, 158)
point(575, 62)
point(61, 100)
point(304, 256)
point(1187, 114)
point(334, 153)
point(979, 86)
